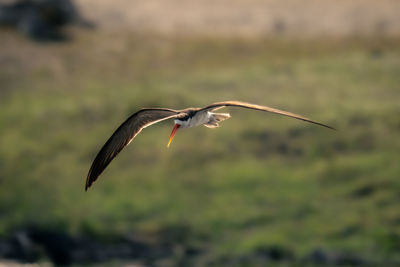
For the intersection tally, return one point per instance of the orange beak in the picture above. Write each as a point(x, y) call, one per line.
point(176, 127)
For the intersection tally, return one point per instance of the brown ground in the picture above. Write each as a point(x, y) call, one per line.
point(248, 17)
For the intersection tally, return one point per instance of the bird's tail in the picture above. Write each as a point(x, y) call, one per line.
point(216, 118)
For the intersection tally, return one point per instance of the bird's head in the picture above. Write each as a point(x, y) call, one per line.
point(185, 121)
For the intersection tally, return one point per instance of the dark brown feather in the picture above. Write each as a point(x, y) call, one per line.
point(219, 105)
point(123, 136)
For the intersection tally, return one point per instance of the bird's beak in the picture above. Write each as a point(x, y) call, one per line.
point(176, 127)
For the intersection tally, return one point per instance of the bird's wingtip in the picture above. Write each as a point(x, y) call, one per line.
point(325, 125)
point(330, 127)
point(87, 184)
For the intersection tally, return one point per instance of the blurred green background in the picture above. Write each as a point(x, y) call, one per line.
point(259, 182)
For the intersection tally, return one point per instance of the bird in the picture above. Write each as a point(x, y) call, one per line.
point(185, 118)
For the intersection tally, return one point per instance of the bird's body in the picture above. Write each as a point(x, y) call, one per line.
point(186, 118)
point(206, 118)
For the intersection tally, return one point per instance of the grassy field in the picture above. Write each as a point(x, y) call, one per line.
point(259, 181)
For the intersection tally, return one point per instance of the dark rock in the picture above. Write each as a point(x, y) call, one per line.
point(364, 191)
point(41, 20)
point(275, 253)
point(31, 244)
point(323, 257)
point(19, 246)
point(58, 245)
point(6, 248)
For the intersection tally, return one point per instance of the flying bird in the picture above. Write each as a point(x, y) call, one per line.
point(185, 118)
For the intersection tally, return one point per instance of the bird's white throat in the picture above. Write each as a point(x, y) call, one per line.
point(208, 119)
point(198, 119)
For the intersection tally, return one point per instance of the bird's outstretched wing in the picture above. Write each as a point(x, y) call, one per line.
point(124, 135)
point(219, 105)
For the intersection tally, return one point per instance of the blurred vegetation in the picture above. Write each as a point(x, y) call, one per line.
point(259, 181)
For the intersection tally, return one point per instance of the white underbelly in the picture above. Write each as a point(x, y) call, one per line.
point(199, 119)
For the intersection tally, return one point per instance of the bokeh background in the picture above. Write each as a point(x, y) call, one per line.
point(262, 190)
